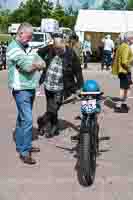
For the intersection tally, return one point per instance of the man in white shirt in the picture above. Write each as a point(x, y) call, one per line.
point(107, 52)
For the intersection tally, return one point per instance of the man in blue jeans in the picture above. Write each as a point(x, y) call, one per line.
point(23, 80)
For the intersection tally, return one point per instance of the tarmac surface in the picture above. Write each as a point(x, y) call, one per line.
point(54, 176)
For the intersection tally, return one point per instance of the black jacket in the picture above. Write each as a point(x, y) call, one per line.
point(72, 72)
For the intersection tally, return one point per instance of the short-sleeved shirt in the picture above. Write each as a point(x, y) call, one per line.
point(108, 44)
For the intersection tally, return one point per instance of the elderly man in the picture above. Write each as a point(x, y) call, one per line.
point(22, 77)
point(62, 78)
point(121, 67)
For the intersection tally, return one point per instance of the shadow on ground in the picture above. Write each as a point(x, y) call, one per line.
point(63, 124)
point(75, 150)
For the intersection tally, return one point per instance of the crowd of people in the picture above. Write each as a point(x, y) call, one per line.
point(57, 67)
point(83, 50)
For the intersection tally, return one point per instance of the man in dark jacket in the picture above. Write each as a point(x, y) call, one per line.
point(63, 77)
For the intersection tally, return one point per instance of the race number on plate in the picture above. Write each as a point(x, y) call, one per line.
point(92, 104)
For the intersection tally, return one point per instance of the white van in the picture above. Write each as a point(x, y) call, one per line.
point(39, 39)
point(13, 28)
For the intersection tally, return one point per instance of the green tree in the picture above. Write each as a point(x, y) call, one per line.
point(130, 5)
point(115, 4)
point(32, 11)
point(58, 14)
point(66, 18)
point(17, 16)
point(4, 20)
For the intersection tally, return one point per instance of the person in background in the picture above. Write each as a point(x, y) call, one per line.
point(76, 45)
point(3, 46)
point(122, 68)
point(87, 51)
point(1, 56)
point(22, 80)
point(108, 48)
point(63, 77)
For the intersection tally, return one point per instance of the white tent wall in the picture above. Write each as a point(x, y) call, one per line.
point(98, 23)
point(104, 21)
point(129, 19)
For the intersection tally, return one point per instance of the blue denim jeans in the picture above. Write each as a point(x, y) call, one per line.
point(107, 60)
point(24, 101)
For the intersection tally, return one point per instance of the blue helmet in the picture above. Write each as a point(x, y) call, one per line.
point(91, 86)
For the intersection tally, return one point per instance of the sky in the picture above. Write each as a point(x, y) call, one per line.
point(76, 3)
point(15, 3)
point(12, 4)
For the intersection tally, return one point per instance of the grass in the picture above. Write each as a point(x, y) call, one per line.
point(5, 37)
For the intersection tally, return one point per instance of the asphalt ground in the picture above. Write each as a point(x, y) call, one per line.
point(54, 176)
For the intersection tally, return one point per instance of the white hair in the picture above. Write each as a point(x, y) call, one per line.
point(25, 27)
point(124, 37)
point(108, 36)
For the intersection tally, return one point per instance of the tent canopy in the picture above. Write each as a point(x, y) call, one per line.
point(104, 21)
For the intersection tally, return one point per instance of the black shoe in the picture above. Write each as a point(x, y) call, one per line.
point(41, 132)
point(117, 109)
point(41, 126)
point(57, 132)
point(39, 123)
point(75, 137)
point(123, 109)
point(35, 150)
point(107, 69)
point(85, 66)
point(28, 159)
point(52, 132)
point(102, 67)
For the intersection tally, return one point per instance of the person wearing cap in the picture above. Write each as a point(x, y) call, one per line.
point(122, 68)
point(63, 77)
point(108, 47)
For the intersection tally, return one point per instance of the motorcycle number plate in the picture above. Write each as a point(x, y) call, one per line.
point(92, 104)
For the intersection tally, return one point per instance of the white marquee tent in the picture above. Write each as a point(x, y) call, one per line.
point(104, 21)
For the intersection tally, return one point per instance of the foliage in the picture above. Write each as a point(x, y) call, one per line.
point(4, 20)
point(33, 11)
point(115, 4)
point(5, 37)
point(130, 5)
